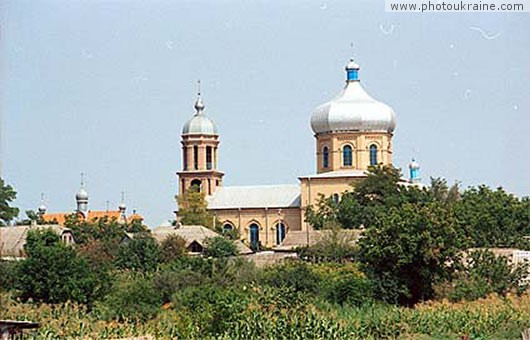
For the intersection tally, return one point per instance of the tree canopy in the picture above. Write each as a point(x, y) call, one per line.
point(7, 196)
point(193, 209)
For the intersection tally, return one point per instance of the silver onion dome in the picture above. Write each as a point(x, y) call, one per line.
point(199, 124)
point(81, 195)
point(42, 209)
point(353, 109)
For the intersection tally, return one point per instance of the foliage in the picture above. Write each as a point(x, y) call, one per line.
point(484, 273)
point(213, 308)
point(8, 275)
point(142, 253)
point(53, 272)
point(132, 297)
point(408, 249)
point(344, 284)
point(295, 274)
point(173, 247)
point(33, 217)
point(336, 245)
point(219, 247)
point(193, 209)
point(7, 196)
point(493, 218)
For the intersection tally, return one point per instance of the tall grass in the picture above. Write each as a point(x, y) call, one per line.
point(490, 318)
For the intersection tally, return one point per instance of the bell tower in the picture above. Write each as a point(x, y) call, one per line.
point(200, 143)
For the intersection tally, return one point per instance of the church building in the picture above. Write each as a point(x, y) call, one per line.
point(352, 132)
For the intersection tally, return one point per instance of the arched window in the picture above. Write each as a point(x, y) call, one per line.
point(325, 157)
point(373, 154)
point(347, 155)
point(196, 157)
point(209, 157)
point(280, 233)
point(185, 157)
point(254, 235)
point(227, 227)
point(336, 198)
point(196, 185)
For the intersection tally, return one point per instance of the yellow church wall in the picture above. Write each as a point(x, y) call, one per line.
point(313, 188)
point(265, 218)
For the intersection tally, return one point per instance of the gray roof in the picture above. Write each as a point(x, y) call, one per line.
point(193, 233)
point(261, 196)
point(298, 238)
point(13, 239)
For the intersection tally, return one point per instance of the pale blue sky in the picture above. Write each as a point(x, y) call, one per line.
point(104, 87)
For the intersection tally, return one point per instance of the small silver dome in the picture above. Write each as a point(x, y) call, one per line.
point(81, 195)
point(199, 124)
point(42, 208)
point(353, 110)
point(122, 206)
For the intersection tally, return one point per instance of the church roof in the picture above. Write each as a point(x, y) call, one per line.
point(60, 218)
point(259, 196)
point(353, 110)
point(13, 239)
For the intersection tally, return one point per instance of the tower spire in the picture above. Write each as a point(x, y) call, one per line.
point(199, 105)
point(42, 206)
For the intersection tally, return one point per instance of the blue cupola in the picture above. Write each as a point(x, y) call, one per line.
point(414, 171)
point(352, 71)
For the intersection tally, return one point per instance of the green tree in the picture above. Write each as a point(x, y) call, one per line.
point(7, 195)
point(172, 248)
point(219, 247)
point(484, 273)
point(493, 218)
point(133, 297)
point(141, 253)
point(193, 209)
point(408, 249)
point(52, 271)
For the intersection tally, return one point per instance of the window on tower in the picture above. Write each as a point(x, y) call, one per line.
point(185, 158)
point(325, 157)
point(209, 157)
point(196, 157)
point(373, 154)
point(347, 155)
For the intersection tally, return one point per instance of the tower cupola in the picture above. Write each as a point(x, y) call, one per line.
point(199, 123)
point(81, 198)
point(353, 130)
point(414, 171)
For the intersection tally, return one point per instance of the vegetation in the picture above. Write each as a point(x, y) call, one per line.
point(7, 195)
point(395, 262)
point(193, 209)
point(53, 272)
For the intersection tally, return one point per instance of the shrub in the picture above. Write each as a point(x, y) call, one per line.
point(212, 308)
point(132, 297)
point(219, 246)
point(484, 273)
point(173, 247)
point(344, 284)
point(293, 274)
point(141, 253)
point(8, 274)
point(168, 282)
